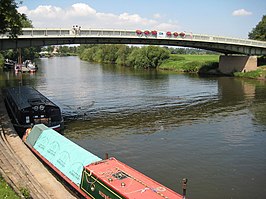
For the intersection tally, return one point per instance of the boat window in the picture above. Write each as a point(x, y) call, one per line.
point(27, 119)
point(35, 108)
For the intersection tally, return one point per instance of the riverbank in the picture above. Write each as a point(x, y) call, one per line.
point(259, 74)
point(6, 191)
point(207, 65)
point(190, 63)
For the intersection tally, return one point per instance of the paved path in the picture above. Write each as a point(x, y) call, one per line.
point(21, 169)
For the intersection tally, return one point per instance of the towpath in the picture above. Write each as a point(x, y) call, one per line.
point(21, 169)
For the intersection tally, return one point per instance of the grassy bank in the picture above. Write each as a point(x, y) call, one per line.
point(208, 64)
point(260, 73)
point(190, 63)
point(6, 191)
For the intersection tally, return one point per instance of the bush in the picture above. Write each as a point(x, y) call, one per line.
point(192, 66)
point(208, 66)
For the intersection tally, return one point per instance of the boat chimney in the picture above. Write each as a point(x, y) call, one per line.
point(106, 156)
point(184, 187)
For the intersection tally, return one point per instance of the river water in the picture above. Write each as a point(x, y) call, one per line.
point(169, 126)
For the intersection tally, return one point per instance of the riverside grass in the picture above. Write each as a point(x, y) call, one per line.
point(189, 63)
point(204, 64)
point(260, 73)
point(6, 191)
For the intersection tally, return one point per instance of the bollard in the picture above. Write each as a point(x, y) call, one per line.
point(106, 156)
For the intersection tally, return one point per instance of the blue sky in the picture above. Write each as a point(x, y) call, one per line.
point(234, 18)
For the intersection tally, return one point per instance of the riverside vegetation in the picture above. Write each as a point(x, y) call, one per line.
point(151, 57)
point(6, 191)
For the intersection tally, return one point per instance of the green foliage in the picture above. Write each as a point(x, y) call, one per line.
point(191, 63)
point(209, 66)
point(259, 32)
point(27, 53)
point(2, 60)
point(148, 57)
point(6, 191)
point(66, 50)
point(25, 192)
point(145, 57)
point(122, 54)
point(11, 20)
point(26, 23)
point(192, 66)
point(22, 22)
point(257, 74)
point(176, 58)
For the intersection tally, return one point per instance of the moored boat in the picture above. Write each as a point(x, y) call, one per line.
point(88, 174)
point(9, 64)
point(18, 68)
point(27, 107)
point(32, 68)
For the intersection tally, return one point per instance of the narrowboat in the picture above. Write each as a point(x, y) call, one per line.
point(27, 106)
point(89, 175)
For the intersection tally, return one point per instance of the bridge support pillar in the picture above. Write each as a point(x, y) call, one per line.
point(231, 64)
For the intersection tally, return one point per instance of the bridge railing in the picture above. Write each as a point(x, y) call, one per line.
point(49, 32)
point(221, 39)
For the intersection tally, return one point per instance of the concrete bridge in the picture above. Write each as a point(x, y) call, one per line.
point(44, 37)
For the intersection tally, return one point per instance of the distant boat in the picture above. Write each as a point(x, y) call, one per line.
point(9, 64)
point(18, 68)
point(25, 67)
point(30, 66)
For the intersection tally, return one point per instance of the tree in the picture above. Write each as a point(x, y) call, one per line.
point(259, 32)
point(11, 21)
point(26, 23)
point(122, 54)
point(147, 57)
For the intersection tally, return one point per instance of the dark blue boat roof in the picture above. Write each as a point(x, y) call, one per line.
point(25, 96)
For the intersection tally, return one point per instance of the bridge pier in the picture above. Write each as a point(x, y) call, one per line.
point(234, 63)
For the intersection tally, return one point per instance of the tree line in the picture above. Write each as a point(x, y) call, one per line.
point(144, 57)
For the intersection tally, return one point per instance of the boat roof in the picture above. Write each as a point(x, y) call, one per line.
point(62, 154)
point(25, 96)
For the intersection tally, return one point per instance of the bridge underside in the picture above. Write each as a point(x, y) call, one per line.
point(217, 47)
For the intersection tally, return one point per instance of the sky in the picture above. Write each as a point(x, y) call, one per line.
point(232, 18)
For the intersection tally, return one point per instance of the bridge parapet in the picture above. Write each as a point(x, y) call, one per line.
point(79, 36)
point(35, 32)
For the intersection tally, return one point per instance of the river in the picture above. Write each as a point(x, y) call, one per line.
point(169, 126)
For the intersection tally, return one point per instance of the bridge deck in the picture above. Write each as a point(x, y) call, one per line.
point(46, 36)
